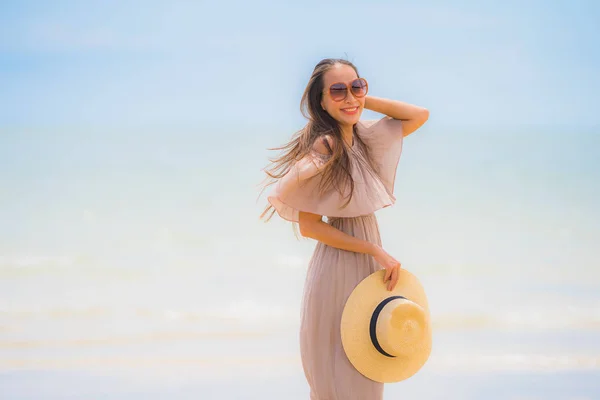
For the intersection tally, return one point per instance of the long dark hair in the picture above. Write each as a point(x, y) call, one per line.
point(337, 170)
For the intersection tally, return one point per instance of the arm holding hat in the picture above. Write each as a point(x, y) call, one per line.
point(412, 117)
point(313, 226)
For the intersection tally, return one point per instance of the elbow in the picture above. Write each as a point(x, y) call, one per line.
point(306, 228)
point(420, 119)
point(423, 115)
point(308, 223)
point(416, 121)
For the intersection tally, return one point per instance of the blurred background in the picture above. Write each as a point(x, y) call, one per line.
point(132, 137)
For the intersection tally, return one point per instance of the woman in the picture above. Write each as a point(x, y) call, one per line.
point(343, 168)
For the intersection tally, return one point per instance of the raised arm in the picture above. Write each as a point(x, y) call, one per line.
point(412, 116)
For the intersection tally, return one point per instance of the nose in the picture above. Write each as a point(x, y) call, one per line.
point(350, 99)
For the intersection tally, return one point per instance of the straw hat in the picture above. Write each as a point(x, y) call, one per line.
point(387, 334)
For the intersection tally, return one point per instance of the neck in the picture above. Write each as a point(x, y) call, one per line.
point(348, 134)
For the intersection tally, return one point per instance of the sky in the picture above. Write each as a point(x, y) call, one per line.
point(153, 63)
point(141, 121)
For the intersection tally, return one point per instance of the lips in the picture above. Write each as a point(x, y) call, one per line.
point(349, 110)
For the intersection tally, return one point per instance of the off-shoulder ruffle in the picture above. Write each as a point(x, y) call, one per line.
point(299, 189)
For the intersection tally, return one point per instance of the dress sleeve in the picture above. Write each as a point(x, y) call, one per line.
point(296, 190)
point(299, 189)
point(384, 138)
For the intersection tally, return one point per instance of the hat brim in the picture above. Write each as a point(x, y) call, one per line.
point(356, 339)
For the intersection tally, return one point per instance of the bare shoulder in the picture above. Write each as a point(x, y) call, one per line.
point(324, 145)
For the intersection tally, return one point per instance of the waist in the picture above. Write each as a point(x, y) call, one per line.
point(358, 217)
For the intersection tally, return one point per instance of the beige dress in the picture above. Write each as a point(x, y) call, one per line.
point(333, 273)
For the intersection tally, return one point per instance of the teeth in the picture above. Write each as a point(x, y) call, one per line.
point(350, 109)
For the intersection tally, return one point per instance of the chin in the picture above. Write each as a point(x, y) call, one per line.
point(349, 119)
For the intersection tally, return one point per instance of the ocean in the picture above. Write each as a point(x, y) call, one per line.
point(133, 265)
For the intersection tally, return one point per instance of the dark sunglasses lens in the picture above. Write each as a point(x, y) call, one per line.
point(359, 87)
point(338, 91)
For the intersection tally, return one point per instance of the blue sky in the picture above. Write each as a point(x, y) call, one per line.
point(117, 121)
point(109, 63)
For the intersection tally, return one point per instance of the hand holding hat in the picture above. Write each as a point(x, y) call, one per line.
point(391, 266)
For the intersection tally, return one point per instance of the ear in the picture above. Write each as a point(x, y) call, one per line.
point(323, 105)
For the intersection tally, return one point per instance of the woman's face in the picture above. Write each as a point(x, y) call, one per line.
point(347, 111)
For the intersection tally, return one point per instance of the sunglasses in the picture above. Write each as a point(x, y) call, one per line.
point(339, 90)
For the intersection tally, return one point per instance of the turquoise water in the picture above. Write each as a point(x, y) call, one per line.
point(136, 261)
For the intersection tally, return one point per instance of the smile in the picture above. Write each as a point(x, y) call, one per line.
point(352, 110)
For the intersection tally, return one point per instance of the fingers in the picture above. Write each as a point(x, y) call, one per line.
point(388, 274)
point(391, 272)
point(393, 279)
